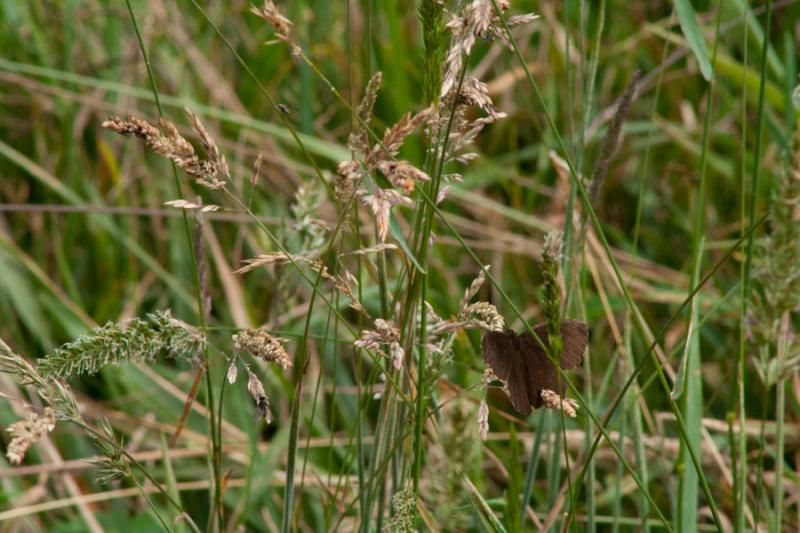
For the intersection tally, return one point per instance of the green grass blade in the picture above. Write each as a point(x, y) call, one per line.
point(688, 22)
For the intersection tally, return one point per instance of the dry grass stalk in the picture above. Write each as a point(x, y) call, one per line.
point(281, 258)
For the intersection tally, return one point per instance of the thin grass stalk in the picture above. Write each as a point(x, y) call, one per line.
point(617, 505)
point(380, 471)
point(554, 467)
point(332, 412)
point(145, 472)
point(422, 281)
point(740, 471)
point(693, 408)
point(626, 291)
point(588, 99)
point(591, 508)
point(285, 121)
point(299, 368)
point(323, 346)
point(216, 455)
point(301, 362)
point(693, 400)
point(780, 416)
point(637, 436)
point(533, 462)
point(630, 363)
point(751, 215)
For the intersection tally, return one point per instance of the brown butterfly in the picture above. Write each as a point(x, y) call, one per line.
point(521, 362)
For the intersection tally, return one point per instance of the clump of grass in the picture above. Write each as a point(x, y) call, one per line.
point(777, 278)
point(776, 301)
point(457, 453)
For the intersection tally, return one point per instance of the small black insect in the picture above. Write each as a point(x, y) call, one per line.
point(521, 362)
point(285, 109)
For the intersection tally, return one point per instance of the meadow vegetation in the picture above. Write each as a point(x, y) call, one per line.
point(248, 253)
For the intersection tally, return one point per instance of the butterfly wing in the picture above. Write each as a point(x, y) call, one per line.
point(575, 337)
point(541, 372)
point(506, 361)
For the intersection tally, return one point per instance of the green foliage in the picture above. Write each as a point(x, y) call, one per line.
point(85, 236)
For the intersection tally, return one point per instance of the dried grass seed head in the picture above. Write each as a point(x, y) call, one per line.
point(256, 390)
point(280, 24)
point(483, 420)
point(381, 203)
point(358, 141)
point(402, 174)
point(264, 346)
point(26, 433)
point(552, 400)
point(385, 333)
point(173, 146)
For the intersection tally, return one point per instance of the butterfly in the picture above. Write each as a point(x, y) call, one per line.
point(520, 361)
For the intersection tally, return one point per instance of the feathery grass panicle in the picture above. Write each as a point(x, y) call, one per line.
point(477, 19)
point(402, 174)
point(113, 463)
point(259, 343)
point(53, 391)
point(310, 230)
point(480, 315)
point(26, 433)
point(358, 141)
point(209, 144)
point(385, 333)
point(133, 340)
point(381, 202)
point(280, 24)
point(169, 143)
point(395, 136)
